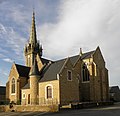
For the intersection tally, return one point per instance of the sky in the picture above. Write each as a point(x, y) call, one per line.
point(63, 27)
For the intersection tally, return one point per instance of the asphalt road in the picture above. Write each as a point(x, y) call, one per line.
point(113, 110)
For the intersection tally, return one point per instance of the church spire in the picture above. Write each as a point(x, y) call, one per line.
point(33, 37)
point(32, 48)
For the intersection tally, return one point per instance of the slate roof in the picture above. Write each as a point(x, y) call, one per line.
point(2, 90)
point(87, 55)
point(73, 59)
point(114, 89)
point(52, 70)
point(23, 70)
point(45, 61)
point(84, 56)
point(27, 86)
point(34, 69)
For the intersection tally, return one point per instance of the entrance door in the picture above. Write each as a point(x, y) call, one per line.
point(28, 98)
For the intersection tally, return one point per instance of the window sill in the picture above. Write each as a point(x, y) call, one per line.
point(13, 93)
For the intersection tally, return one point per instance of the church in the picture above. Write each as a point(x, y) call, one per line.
point(75, 79)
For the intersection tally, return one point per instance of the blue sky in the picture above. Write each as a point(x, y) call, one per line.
point(63, 27)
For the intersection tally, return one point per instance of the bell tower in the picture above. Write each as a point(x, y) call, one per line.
point(32, 48)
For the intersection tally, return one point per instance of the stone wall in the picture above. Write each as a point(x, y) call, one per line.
point(13, 74)
point(55, 92)
point(69, 89)
point(98, 78)
point(23, 108)
point(24, 100)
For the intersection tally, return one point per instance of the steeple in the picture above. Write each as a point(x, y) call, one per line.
point(33, 37)
point(32, 48)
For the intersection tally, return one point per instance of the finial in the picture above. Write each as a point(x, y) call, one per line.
point(33, 12)
point(33, 15)
point(81, 52)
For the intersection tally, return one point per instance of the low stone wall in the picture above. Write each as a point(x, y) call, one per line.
point(51, 108)
point(22, 108)
point(4, 108)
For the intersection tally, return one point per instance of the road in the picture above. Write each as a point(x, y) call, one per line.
point(22, 113)
point(113, 110)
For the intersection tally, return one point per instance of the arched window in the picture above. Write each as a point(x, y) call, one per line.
point(49, 92)
point(13, 86)
point(85, 73)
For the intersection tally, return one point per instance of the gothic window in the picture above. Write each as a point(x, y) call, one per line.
point(69, 75)
point(13, 86)
point(49, 92)
point(85, 73)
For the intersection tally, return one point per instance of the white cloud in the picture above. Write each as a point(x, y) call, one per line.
point(8, 60)
point(19, 17)
point(2, 29)
point(11, 40)
point(86, 24)
point(3, 76)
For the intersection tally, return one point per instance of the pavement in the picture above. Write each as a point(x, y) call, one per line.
point(22, 113)
point(112, 110)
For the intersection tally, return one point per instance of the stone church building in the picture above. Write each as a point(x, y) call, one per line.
point(80, 78)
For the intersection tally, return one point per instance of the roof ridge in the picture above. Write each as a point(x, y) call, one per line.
point(89, 51)
point(66, 58)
